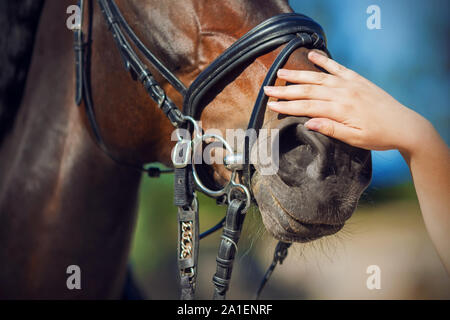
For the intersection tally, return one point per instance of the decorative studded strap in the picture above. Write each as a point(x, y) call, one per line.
point(188, 241)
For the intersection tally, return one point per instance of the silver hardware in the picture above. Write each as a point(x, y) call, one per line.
point(197, 142)
point(189, 150)
point(244, 189)
point(181, 153)
point(234, 162)
point(197, 129)
point(189, 272)
point(162, 99)
point(186, 241)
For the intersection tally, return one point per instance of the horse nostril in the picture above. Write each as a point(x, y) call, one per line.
point(303, 153)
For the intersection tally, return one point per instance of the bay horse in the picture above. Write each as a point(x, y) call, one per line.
point(64, 202)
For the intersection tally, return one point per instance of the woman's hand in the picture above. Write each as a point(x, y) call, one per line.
point(348, 107)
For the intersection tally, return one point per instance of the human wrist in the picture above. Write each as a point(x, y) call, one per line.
point(420, 136)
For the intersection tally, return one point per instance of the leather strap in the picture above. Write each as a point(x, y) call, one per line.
point(281, 251)
point(78, 50)
point(78, 47)
point(259, 109)
point(262, 39)
point(82, 52)
point(162, 69)
point(228, 248)
point(135, 65)
point(184, 186)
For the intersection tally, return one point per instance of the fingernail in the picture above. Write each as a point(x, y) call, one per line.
point(268, 89)
point(283, 72)
point(313, 55)
point(316, 55)
point(272, 104)
point(313, 124)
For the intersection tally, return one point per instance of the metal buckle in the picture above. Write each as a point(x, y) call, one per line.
point(248, 199)
point(181, 153)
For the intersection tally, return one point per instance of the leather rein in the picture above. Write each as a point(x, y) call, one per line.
point(290, 29)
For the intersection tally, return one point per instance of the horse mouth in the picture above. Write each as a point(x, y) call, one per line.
point(285, 225)
point(298, 231)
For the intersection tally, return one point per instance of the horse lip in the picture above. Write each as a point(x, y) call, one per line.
point(304, 232)
point(306, 224)
point(289, 236)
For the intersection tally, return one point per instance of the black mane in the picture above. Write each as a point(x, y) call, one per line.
point(18, 24)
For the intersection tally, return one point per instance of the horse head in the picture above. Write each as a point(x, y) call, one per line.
point(318, 180)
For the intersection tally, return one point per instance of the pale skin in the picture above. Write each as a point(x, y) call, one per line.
point(350, 108)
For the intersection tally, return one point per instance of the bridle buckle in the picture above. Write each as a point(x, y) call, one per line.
point(181, 153)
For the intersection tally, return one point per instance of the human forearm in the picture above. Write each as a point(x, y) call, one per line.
point(429, 162)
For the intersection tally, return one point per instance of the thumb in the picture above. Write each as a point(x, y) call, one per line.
point(331, 129)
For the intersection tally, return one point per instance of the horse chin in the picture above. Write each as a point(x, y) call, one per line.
point(289, 221)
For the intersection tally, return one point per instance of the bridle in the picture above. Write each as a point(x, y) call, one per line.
point(294, 30)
